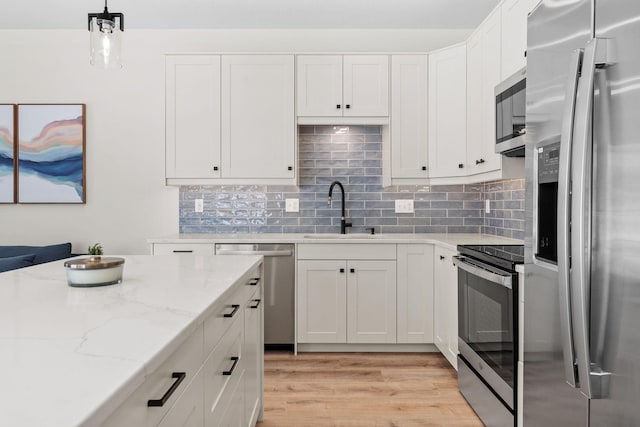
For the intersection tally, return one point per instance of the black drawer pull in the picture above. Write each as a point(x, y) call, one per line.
point(215, 168)
point(342, 270)
point(236, 307)
point(179, 376)
point(442, 257)
point(254, 281)
point(233, 367)
point(176, 251)
point(424, 168)
point(353, 270)
point(348, 105)
point(338, 106)
point(257, 301)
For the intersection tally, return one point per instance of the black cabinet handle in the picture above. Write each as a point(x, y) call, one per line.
point(342, 270)
point(179, 376)
point(424, 168)
point(233, 367)
point(338, 106)
point(479, 162)
point(289, 168)
point(215, 168)
point(257, 301)
point(182, 251)
point(236, 307)
point(352, 270)
point(460, 165)
point(348, 106)
point(254, 281)
point(371, 229)
point(442, 257)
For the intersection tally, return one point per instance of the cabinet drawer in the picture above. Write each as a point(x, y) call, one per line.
point(225, 314)
point(188, 410)
point(183, 248)
point(135, 410)
point(347, 251)
point(222, 371)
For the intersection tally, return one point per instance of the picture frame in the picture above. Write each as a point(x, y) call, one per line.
point(7, 153)
point(51, 161)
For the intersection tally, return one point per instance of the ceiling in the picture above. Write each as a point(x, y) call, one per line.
point(252, 14)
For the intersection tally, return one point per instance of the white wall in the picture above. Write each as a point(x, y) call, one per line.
point(127, 201)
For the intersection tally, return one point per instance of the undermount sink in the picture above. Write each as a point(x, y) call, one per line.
point(342, 236)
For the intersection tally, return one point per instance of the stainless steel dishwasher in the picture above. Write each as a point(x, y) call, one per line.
point(279, 282)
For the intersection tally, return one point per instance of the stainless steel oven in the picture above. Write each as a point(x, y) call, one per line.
point(487, 329)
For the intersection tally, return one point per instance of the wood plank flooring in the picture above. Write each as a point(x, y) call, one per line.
point(362, 389)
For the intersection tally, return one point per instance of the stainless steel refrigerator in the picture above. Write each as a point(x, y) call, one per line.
point(582, 246)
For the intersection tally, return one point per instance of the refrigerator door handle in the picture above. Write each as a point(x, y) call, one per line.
point(593, 380)
point(564, 218)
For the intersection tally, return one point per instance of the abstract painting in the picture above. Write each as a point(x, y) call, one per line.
point(51, 153)
point(7, 154)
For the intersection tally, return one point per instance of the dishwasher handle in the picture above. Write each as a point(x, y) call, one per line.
point(284, 252)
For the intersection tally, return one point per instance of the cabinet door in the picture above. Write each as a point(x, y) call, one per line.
point(322, 301)
point(483, 74)
point(253, 342)
point(366, 85)
point(193, 116)
point(319, 85)
point(514, 34)
point(415, 293)
point(371, 302)
point(447, 112)
point(189, 409)
point(409, 97)
point(446, 304)
point(258, 132)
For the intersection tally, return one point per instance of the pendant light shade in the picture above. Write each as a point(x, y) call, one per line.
point(106, 38)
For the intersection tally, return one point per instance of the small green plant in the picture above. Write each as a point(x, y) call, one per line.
point(95, 249)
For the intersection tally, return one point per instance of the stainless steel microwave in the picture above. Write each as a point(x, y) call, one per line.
point(510, 114)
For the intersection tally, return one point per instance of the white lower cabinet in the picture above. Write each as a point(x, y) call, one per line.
point(415, 293)
point(446, 304)
point(214, 378)
point(189, 409)
point(346, 300)
point(322, 301)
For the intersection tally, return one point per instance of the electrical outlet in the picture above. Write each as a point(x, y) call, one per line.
point(404, 206)
point(199, 205)
point(292, 205)
point(487, 206)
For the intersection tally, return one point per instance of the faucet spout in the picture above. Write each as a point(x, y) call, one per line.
point(343, 222)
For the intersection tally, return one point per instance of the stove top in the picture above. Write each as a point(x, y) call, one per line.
point(505, 256)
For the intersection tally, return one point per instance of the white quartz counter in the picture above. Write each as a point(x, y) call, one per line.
point(70, 356)
point(447, 240)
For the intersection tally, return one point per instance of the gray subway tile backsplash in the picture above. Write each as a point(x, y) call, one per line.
point(352, 155)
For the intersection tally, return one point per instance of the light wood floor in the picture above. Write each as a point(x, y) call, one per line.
point(362, 389)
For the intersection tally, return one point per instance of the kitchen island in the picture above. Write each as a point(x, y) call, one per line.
point(80, 356)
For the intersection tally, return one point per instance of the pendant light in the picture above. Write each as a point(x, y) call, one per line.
point(106, 33)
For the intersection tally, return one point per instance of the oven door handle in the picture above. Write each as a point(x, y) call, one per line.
point(484, 271)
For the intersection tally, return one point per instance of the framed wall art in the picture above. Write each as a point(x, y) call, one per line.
point(7, 154)
point(51, 153)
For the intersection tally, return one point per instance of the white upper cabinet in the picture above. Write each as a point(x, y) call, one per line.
point(514, 30)
point(258, 129)
point(409, 116)
point(193, 116)
point(483, 74)
point(447, 112)
point(230, 119)
point(343, 85)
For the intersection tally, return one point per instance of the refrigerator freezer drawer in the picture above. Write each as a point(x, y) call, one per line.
point(491, 411)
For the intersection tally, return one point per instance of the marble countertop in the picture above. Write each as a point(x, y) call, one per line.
point(73, 355)
point(447, 240)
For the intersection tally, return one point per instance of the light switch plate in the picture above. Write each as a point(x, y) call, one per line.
point(292, 205)
point(404, 206)
point(199, 205)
